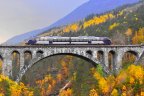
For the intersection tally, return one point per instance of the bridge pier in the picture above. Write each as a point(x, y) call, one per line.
point(7, 65)
point(106, 63)
point(21, 60)
point(118, 61)
point(95, 54)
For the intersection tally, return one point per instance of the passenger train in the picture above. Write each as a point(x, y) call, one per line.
point(82, 40)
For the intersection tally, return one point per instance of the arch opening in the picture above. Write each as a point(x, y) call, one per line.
point(100, 56)
point(111, 60)
point(89, 52)
point(1, 63)
point(128, 58)
point(92, 63)
point(63, 65)
point(15, 64)
point(71, 54)
point(39, 54)
point(27, 57)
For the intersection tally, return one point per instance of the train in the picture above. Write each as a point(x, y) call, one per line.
point(81, 40)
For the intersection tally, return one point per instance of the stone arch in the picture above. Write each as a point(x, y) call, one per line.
point(1, 63)
point(27, 57)
point(129, 57)
point(15, 56)
point(111, 60)
point(24, 70)
point(39, 54)
point(134, 53)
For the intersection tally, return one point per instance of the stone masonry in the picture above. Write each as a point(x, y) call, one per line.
point(88, 52)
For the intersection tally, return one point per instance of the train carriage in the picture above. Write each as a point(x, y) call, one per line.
point(49, 40)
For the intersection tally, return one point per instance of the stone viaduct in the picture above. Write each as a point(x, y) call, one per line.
point(96, 54)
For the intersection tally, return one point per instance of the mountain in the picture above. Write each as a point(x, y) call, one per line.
point(90, 7)
point(114, 24)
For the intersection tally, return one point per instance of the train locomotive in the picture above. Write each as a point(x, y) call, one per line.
point(81, 40)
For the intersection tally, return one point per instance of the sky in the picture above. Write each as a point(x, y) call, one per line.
point(21, 16)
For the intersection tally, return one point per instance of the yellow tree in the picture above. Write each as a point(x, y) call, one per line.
point(98, 20)
point(114, 25)
point(46, 85)
point(93, 93)
point(128, 33)
point(73, 27)
point(128, 82)
point(138, 37)
point(67, 92)
point(11, 88)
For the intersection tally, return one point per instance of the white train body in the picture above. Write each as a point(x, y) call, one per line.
point(49, 40)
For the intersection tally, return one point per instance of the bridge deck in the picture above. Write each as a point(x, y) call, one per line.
point(95, 46)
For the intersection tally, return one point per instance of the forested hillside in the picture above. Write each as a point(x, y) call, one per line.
point(123, 25)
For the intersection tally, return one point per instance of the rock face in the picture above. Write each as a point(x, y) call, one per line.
point(91, 7)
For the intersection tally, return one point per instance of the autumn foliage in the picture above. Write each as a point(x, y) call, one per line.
point(114, 25)
point(67, 92)
point(11, 88)
point(73, 28)
point(138, 36)
point(98, 20)
point(0, 66)
point(49, 84)
point(128, 82)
